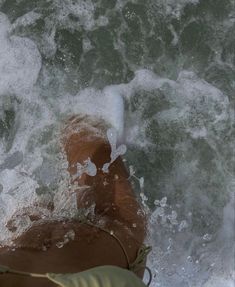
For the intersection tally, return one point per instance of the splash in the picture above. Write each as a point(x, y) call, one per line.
point(115, 152)
point(88, 167)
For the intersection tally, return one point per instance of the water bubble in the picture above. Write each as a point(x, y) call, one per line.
point(89, 168)
point(105, 168)
point(183, 225)
point(141, 182)
point(156, 202)
point(70, 235)
point(207, 237)
point(115, 152)
point(86, 43)
point(174, 214)
point(44, 248)
point(131, 170)
point(172, 217)
point(102, 21)
point(60, 244)
point(105, 182)
point(163, 201)
point(170, 244)
point(160, 211)
point(189, 258)
point(143, 197)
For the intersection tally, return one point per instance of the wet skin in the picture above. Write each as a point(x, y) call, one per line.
point(115, 206)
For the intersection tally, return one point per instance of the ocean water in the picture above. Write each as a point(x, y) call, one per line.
point(162, 73)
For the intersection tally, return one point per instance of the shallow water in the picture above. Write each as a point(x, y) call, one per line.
point(163, 74)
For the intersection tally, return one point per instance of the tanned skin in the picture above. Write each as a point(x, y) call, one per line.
point(115, 206)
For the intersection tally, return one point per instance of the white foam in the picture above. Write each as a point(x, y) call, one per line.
point(5, 25)
point(174, 8)
point(20, 61)
point(184, 93)
point(107, 104)
point(18, 192)
point(27, 19)
point(217, 281)
point(102, 21)
point(84, 10)
point(114, 111)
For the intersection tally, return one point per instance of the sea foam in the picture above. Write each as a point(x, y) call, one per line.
point(20, 61)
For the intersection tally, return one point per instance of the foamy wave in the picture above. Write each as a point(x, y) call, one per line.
point(20, 61)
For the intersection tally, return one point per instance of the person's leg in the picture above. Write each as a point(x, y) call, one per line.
point(111, 192)
point(116, 209)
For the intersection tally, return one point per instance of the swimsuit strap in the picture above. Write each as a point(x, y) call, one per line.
point(141, 254)
point(6, 269)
